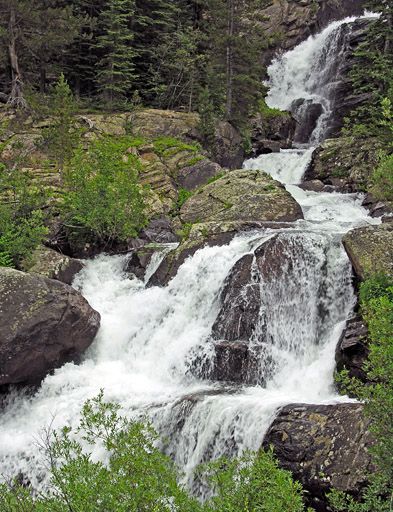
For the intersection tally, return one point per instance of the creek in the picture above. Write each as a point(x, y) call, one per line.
point(154, 348)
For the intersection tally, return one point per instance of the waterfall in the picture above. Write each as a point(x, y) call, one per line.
point(304, 80)
point(155, 352)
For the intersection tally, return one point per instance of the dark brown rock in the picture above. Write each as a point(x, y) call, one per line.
point(324, 446)
point(160, 231)
point(196, 175)
point(241, 303)
point(270, 133)
point(139, 261)
point(352, 349)
point(232, 362)
point(43, 324)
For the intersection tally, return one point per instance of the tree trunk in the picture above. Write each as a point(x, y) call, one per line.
point(16, 97)
point(229, 58)
point(42, 80)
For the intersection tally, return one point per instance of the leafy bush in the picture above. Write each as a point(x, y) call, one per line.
point(104, 202)
point(377, 306)
point(137, 477)
point(21, 219)
point(383, 178)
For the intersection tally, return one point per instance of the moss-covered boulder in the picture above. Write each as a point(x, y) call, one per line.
point(43, 324)
point(242, 195)
point(53, 265)
point(325, 447)
point(344, 163)
point(370, 250)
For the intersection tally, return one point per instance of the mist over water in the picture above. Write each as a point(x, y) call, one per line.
point(155, 344)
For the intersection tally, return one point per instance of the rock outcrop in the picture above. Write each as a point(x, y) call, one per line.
point(325, 447)
point(242, 195)
point(53, 265)
point(295, 20)
point(43, 324)
point(352, 349)
point(370, 250)
point(344, 164)
point(240, 200)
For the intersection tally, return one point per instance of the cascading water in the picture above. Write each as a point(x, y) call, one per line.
point(155, 351)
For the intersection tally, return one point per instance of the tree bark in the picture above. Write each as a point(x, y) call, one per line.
point(15, 97)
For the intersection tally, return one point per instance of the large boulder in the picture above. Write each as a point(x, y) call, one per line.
point(344, 164)
point(325, 447)
point(242, 195)
point(53, 265)
point(370, 250)
point(44, 323)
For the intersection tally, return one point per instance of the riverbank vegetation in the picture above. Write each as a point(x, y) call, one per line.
point(134, 475)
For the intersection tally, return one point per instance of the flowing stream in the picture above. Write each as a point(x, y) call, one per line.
point(155, 346)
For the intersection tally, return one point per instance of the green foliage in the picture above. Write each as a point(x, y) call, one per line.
point(376, 295)
point(382, 179)
point(169, 146)
point(61, 138)
point(104, 202)
point(183, 196)
point(21, 220)
point(115, 68)
point(253, 482)
point(135, 476)
point(212, 179)
point(372, 76)
point(375, 286)
point(206, 125)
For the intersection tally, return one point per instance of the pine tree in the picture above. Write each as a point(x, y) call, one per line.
point(235, 40)
point(33, 35)
point(62, 138)
point(115, 68)
point(372, 74)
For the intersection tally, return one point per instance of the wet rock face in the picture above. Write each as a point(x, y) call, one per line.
point(241, 303)
point(244, 331)
point(309, 113)
point(324, 446)
point(298, 19)
point(44, 323)
point(370, 250)
point(352, 349)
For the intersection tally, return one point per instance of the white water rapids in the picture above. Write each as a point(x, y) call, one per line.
point(154, 341)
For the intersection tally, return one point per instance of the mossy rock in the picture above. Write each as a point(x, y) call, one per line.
point(242, 195)
point(370, 250)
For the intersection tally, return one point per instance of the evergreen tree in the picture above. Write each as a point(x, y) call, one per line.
point(115, 68)
point(372, 75)
point(61, 137)
point(235, 41)
point(33, 35)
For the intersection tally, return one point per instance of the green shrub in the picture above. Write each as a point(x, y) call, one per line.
point(137, 477)
point(377, 307)
point(21, 219)
point(104, 202)
point(382, 178)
